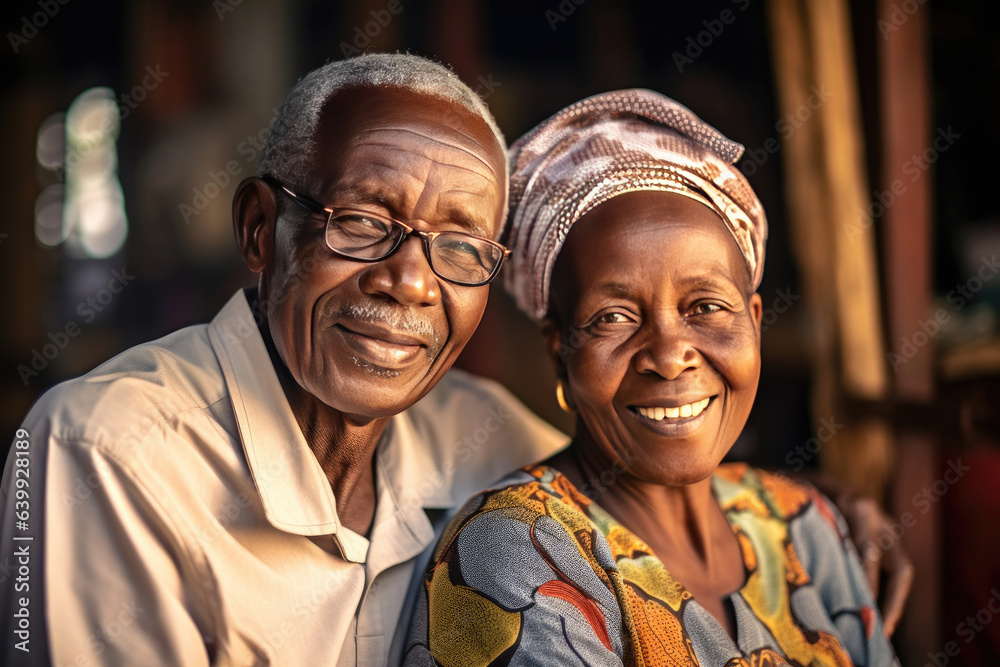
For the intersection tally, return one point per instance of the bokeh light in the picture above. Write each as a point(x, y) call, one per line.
point(87, 211)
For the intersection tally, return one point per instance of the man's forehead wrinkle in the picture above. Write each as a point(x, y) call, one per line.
point(473, 225)
point(402, 128)
point(433, 163)
point(427, 137)
point(462, 191)
point(370, 189)
point(377, 189)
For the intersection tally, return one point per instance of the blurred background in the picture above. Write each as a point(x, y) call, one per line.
point(870, 126)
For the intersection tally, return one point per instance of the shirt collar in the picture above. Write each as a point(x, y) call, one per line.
point(296, 495)
point(416, 476)
point(293, 488)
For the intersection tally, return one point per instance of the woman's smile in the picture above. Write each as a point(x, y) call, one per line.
point(674, 414)
point(686, 419)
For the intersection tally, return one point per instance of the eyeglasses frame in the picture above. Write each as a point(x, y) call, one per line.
point(313, 206)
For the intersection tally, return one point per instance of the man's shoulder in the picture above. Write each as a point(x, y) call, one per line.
point(472, 431)
point(464, 407)
point(146, 385)
point(460, 387)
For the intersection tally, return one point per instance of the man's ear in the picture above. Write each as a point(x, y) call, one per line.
point(255, 211)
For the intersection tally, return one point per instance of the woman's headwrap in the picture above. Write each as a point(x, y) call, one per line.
point(605, 146)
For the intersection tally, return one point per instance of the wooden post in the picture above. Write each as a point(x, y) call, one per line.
point(906, 225)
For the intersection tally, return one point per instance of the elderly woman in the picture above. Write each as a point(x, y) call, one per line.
point(638, 247)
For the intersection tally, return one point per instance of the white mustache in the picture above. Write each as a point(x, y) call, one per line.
point(399, 320)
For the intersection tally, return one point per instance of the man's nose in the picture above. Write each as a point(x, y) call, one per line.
point(405, 276)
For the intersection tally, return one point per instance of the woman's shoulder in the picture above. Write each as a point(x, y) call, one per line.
point(529, 530)
point(524, 497)
point(784, 521)
point(813, 525)
point(742, 487)
point(517, 564)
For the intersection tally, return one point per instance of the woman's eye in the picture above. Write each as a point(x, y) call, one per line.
point(705, 308)
point(611, 318)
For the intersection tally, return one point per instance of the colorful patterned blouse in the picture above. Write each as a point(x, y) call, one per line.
point(534, 572)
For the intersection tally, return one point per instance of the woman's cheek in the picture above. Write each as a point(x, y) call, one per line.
point(737, 348)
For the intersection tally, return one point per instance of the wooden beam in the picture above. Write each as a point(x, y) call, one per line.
point(826, 183)
point(862, 354)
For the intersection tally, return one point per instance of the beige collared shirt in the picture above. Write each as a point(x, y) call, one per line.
point(178, 516)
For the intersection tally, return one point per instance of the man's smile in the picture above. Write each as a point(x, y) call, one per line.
point(380, 345)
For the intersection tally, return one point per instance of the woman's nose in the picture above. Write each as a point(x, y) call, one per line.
point(667, 349)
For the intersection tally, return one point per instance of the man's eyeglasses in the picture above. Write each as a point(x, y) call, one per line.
point(459, 258)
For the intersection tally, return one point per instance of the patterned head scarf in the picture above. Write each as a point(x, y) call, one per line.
point(605, 146)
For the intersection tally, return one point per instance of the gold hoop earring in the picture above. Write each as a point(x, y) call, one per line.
point(561, 397)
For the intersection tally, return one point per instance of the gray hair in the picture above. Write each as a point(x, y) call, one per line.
point(291, 142)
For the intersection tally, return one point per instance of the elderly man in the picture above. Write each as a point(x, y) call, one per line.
point(259, 490)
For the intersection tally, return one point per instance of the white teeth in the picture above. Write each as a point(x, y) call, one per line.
point(683, 412)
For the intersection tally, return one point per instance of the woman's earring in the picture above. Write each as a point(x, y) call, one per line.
point(561, 397)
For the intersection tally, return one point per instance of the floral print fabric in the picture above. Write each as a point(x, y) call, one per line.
point(533, 572)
